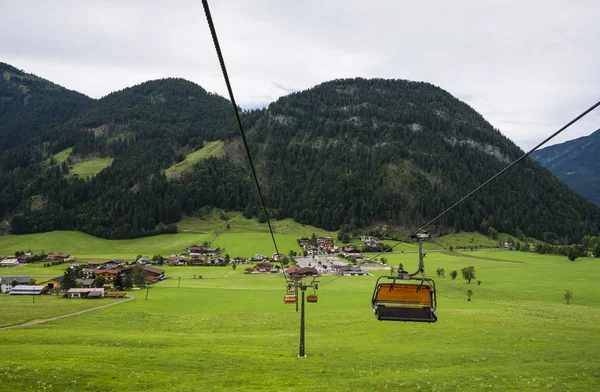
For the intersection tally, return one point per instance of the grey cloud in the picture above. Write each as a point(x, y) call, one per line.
point(527, 67)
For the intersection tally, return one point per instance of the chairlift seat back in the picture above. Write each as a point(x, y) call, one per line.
point(289, 299)
point(404, 302)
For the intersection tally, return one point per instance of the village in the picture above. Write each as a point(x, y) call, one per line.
point(95, 279)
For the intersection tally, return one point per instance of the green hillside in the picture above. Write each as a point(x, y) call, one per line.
point(90, 167)
point(211, 149)
point(244, 238)
point(62, 156)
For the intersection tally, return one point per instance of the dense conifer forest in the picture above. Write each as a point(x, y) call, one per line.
point(350, 154)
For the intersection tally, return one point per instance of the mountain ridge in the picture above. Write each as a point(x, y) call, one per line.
point(575, 162)
point(31, 106)
point(348, 153)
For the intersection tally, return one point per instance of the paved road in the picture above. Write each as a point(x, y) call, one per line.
point(27, 324)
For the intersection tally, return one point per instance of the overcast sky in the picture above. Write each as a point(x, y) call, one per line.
point(527, 66)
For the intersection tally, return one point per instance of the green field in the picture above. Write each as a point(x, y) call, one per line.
point(231, 331)
point(244, 238)
point(35, 271)
point(89, 167)
point(210, 149)
point(85, 246)
point(62, 156)
point(86, 167)
point(213, 222)
point(17, 309)
point(466, 240)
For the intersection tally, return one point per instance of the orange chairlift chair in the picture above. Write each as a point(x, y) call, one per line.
point(404, 300)
point(313, 298)
point(400, 298)
point(290, 297)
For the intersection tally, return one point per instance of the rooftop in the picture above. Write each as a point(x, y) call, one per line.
point(11, 279)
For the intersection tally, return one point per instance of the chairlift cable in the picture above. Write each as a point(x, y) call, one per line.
point(525, 155)
point(237, 116)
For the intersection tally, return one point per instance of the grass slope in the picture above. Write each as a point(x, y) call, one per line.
point(210, 149)
point(217, 220)
point(85, 246)
point(35, 271)
point(89, 167)
point(62, 156)
point(231, 331)
point(245, 238)
point(466, 240)
point(17, 309)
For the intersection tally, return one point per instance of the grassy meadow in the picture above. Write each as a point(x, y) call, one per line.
point(62, 156)
point(18, 309)
point(230, 331)
point(230, 231)
point(89, 167)
point(210, 149)
point(466, 240)
point(244, 238)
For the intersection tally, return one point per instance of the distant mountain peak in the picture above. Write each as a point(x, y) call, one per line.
point(576, 163)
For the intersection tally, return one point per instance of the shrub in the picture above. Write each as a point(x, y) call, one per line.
point(469, 294)
point(568, 296)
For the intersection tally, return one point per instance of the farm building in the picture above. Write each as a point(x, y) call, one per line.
point(53, 284)
point(108, 274)
point(292, 270)
point(354, 272)
point(28, 290)
point(154, 274)
point(56, 256)
point(86, 293)
point(85, 282)
point(8, 282)
point(305, 271)
point(12, 262)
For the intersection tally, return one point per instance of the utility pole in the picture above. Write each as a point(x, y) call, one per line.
point(147, 289)
point(302, 354)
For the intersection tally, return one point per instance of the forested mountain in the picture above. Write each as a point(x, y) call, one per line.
point(362, 151)
point(348, 153)
point(31, 106)
point(576, 163)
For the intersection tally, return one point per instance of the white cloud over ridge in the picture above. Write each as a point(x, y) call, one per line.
point(527, 67)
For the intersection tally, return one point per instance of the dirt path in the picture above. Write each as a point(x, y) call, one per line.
point(27, 324)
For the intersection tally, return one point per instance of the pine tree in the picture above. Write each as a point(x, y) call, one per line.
point(69, 279)
point(118, 282)
point(100, 281)
point(128, 282)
